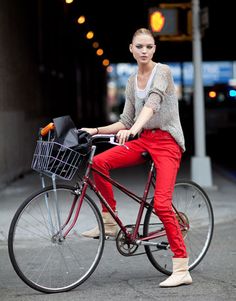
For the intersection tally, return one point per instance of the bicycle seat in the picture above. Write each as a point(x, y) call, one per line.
point(146, 156)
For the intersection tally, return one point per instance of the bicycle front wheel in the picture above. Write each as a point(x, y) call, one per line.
point(194, 207)
point(39, 254)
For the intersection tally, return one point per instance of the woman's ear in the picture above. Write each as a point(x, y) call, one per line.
point(130, 48)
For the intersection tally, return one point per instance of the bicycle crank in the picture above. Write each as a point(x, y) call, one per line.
point(163, 245)
point(124, 245)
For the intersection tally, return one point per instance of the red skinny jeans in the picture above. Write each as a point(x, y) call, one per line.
point(166, 154)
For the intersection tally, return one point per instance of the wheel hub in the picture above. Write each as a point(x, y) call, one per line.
point(184, 223)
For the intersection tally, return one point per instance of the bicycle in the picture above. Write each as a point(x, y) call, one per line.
point(45, 244)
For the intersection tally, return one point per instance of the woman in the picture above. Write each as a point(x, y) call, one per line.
point(151, 111)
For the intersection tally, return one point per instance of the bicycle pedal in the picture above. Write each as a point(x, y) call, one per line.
point(111, 238)
point(163, 245)
point(106, 237)
point(96, 237)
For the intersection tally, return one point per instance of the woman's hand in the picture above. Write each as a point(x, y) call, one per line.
point(123, 136)
point(91, 131)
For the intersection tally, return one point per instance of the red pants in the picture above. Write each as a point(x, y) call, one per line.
point(166, 154)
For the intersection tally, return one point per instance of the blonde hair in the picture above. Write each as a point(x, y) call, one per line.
point(142, 31)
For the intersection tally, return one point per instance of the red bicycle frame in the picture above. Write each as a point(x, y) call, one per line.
point(88, 182)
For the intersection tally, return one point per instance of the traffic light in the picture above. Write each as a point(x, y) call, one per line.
point(164, 21)
point(171, 22)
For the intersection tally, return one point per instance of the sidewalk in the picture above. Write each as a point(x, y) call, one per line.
point(223, 198)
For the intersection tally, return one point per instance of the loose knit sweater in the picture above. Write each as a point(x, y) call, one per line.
point(162, 98)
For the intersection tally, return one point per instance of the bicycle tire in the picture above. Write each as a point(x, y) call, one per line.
point(39, 259)
point(195, 207)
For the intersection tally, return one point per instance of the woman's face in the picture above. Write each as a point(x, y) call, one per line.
point(143, 48)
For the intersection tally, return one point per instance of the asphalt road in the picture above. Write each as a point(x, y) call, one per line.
point(134, 278)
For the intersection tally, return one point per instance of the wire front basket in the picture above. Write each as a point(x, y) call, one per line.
point(52, 158)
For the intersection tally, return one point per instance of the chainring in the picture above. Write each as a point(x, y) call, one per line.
point(124, 245)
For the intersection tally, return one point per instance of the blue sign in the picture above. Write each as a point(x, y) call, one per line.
point(212, 73)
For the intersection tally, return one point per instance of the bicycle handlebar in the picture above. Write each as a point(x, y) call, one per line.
point(47, 128)
point(112, 138)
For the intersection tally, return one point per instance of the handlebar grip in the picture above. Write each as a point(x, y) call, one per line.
point(47, 128)
point(132, 137)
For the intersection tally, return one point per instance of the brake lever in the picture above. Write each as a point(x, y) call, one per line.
point(112, 141)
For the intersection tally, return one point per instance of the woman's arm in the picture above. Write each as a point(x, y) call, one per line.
point(144, 116)
point(142, 119)
point(108, 129)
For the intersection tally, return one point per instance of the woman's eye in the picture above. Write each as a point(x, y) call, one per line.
point(149, 47)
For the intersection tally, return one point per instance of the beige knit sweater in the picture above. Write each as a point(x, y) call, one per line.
point(162, 98)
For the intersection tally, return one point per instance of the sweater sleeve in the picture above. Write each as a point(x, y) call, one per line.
point(154, 101)
point(128, 114)
point(159, 88)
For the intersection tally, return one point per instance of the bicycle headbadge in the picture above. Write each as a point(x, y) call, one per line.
point(84, 142)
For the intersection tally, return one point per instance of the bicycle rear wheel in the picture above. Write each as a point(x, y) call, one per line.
point(43, 260)
point(194, 207)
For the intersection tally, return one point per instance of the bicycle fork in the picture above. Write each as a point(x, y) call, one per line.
point(55, 226)
point(52, 229)
point(58, 213)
